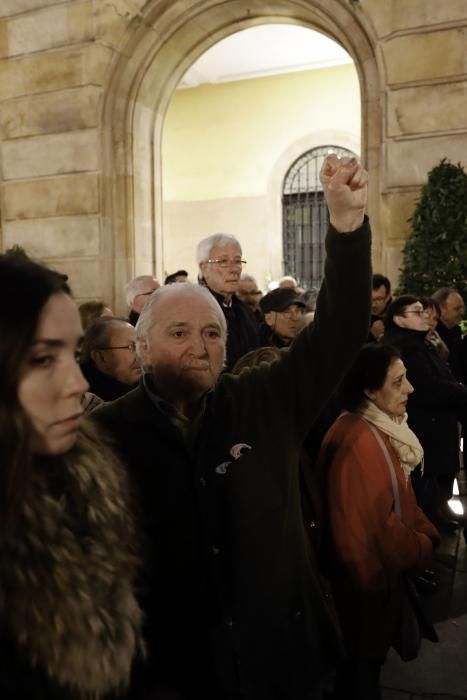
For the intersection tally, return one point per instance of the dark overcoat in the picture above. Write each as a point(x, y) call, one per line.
point(437, 403)
point(227, 553)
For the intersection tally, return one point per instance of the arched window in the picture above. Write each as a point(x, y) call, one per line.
point(305, 217)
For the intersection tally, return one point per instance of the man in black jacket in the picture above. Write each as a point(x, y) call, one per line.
point(234, 604)
point(220, 265)
point(108, 358)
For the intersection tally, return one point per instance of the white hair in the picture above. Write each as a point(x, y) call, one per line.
point(245, 277)
point(132, 288)
point(148, 315)
point(207, 244)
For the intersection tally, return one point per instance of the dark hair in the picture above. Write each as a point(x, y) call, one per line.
point(90, 311)
point(253, 358)
point(381, 281)
point(367, 373)
point(397, 308)
point(430, 303)
point(442, 294)
point(97, 335)
point(29, 286)
point(170, 279)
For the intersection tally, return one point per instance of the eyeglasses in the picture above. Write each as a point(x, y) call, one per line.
point(226, 262)
point(418, 312)
point(292, 312)
point(131, 347)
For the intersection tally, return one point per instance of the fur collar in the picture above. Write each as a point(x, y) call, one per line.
point(67, 571)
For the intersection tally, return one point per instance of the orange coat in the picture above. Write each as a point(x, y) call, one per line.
point(368, 546)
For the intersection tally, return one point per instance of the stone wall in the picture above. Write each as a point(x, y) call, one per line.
point(84, 85)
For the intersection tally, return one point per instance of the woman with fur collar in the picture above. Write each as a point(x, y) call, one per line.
point(69, 620)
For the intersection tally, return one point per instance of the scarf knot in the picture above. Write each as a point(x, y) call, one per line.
point(402, 438)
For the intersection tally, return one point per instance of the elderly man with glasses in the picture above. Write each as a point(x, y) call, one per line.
point(220, 267)
point(233, 602)
point(108, 358)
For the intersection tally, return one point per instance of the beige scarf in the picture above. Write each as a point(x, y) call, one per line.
point(401, 437)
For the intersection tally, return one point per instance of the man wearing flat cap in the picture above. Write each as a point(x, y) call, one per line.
point(283, 310)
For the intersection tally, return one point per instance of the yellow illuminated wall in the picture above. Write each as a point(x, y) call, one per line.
point(227, 148)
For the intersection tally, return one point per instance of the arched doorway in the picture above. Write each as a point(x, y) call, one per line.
point(305, 217)
point(160, 48)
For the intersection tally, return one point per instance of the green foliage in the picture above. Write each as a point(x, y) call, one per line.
point(435, 254)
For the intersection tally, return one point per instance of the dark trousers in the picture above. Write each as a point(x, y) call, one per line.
point(358, 679)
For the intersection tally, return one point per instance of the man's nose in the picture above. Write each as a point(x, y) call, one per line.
point(198, 344)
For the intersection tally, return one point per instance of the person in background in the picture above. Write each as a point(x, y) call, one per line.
point(137, 294)
point(179, 276)
point(108, 358)
point(282, 309)
point(452, 312)
point(433, 314)
point(380, 300)
point(70, 626)
point(220, 265)
point(249, 293)
point(434, 409)
point(89, 311)
point(288, 282)
point(370, 546)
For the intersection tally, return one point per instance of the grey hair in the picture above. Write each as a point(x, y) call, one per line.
point(207, 244)
point(132, 288)
point(98, 333)
point(441, 295)
point(245, 277)
point(148, 315)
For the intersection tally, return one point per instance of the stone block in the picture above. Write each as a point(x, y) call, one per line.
point(52, 27)
point(65, 195)
point(41, 73)
point(426, 108)
point(52, 154)
point(113, 19)
point(428, 56)
point(396, 208)
point(52, 112)
point(408, 162)
point(55, 237)
point(17, 7)
point(422, 13)
point(85, 277)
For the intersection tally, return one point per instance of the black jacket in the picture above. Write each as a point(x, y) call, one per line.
point(227, 552)
point(103, 385)
point(242, 328)
point(437, 403)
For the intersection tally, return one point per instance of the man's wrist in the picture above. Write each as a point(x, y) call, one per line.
point(349, 223)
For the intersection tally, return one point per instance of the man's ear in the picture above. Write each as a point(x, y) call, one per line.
point(202, 268)
point(98, 358)
point(270, 318)
point(144, 353)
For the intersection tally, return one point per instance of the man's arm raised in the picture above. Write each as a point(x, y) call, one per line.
point(345, 185)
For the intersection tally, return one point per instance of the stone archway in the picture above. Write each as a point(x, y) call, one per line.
point(161, 46)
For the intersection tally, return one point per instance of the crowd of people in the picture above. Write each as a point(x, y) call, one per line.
point(224, 494)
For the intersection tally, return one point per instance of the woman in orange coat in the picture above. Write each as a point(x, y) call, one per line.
point(370, 546)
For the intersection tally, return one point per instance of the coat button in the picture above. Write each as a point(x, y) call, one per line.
point(213, 549)
point(229, 622)
point(203, 481)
